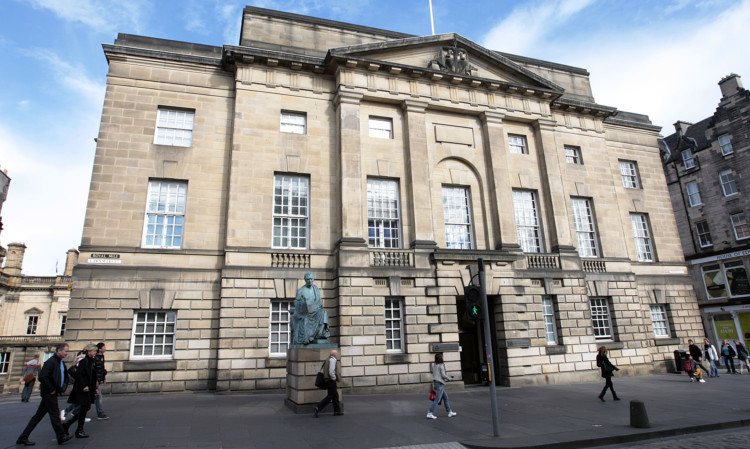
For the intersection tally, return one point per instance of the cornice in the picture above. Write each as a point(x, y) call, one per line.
point(631, 124)
point(582, 107)
point(111, 50)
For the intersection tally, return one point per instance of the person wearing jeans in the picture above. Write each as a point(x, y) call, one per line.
point(101, 377)
point(727, 351)
point(712, 356)
point(439, 378)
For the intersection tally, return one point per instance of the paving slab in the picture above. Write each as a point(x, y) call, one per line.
point(546, 416)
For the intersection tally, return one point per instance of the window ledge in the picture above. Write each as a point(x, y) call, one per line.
point(149, 365)
point(557, 349)
point(392, 359)
point(666, 341)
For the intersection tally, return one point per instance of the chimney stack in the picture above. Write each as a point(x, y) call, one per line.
point(730, 85)
point(70, 262)
point(14, 262)
point(681, 127)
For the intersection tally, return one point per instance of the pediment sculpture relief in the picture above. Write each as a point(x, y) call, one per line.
point(452, 59)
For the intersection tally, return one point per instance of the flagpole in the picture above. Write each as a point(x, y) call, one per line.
point(432, 19)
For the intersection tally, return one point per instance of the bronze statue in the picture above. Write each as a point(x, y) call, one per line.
point(310, 320)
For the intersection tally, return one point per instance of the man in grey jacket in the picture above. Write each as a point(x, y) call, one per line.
point(332, 374)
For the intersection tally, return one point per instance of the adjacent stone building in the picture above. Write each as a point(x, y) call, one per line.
point(33, 315)
point(387, 164)
point(707, 166)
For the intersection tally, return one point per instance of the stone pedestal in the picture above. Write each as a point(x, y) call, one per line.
point(302, 366)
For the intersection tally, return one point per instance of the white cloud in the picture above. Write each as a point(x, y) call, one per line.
point(24, 104)
point(46, 200)
point(102, 16)
point(529, 25)
point(73, 78)
point(667, 68)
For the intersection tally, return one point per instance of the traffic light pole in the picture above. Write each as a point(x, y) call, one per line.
point(488, 347)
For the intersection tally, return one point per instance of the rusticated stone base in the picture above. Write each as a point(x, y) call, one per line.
point(302, 366)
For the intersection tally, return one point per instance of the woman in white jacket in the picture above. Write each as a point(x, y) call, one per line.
point(710, 354)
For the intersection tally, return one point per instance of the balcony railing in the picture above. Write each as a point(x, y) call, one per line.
point(290, 260)
point(594, 265)
point(543, 261)
point(392, 258)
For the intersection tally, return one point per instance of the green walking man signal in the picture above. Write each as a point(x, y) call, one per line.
point(473, 295)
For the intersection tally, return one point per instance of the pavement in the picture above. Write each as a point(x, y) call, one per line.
point(546, 416)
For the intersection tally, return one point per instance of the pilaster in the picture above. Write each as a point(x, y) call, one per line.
point(352, 220)
point(554, 196)
point(418, 174)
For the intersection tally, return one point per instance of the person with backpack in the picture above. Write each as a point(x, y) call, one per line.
point(608, 370)
point(712, 356)
point(742, 356)
point(84, 390)
point(727, 351)
point(72, 409)
point(693, 370)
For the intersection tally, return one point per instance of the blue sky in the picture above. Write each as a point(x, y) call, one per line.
point(662, 58)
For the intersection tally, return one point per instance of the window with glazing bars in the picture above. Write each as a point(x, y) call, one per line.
point(165, 214)
point(687, 159)
point(153, 334)
point(583, 219)
point(660, 321)
point(600, 318)
point(629, 174)
point(694, 194)
point(293, 122)
point(728, 186)
point(4, 362)
point(381, 128)
point(527, 221)
point(725, 143)
point(394, 325)
point(573, 155)
point(291, 197)
point(280, 327)
point(704, 234)
point(739, 224)
point(550, 327)
point(517, 144)
point(383, 220)
point(31, 325)
point(457, 213)
point(641, 234)
point(174, 127)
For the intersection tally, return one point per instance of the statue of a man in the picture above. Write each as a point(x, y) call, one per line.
point(310, 320)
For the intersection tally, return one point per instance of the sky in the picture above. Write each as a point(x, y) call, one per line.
point(662, 58)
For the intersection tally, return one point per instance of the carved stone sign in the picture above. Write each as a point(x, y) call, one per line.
point(452, 59)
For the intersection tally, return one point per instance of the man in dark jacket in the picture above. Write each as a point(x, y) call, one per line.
point(53, 381)
point(101, 377)
point(697, 354)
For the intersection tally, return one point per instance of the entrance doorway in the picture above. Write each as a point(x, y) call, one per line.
point(471, 339)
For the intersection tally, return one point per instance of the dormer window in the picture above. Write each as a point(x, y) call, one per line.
point(687, 159)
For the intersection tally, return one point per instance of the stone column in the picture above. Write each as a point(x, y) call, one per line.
point(417, 182)
point(561, 239)
point(350, 169)
point(499, 189)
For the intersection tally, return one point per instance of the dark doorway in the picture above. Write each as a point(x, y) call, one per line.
point(471, 339)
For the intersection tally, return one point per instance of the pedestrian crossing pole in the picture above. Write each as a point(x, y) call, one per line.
point(488, 347)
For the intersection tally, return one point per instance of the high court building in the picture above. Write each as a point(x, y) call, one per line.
point(387, 164)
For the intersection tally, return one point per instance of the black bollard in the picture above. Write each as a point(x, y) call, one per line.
point(638, 415)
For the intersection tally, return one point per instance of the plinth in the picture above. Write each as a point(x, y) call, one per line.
point(302, 365)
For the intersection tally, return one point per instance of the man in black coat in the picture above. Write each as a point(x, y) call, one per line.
point(101, 377)
point(697, 354)
point(53, 381)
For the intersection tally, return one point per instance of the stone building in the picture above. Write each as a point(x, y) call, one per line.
point(387, 164)
point(33, 315)
point(706, 166)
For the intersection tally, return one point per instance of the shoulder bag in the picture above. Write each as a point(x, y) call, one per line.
point(320, 380)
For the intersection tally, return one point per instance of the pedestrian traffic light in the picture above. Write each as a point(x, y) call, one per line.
point(473, 295)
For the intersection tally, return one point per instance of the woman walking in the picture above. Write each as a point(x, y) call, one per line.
point(727, 351)
point(712, 356)
point(439, 378)
point(84, 390)
point(742, 356)
point(608, 370)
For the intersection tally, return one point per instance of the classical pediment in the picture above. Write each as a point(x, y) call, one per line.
point(451, 54)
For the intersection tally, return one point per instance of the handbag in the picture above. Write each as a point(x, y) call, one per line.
point(320, 380)
point(28, 378)
point(432, 395)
